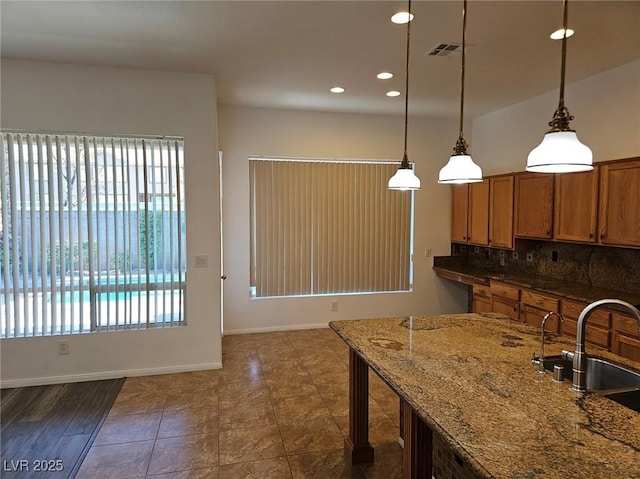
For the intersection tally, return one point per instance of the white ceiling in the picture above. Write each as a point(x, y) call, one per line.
point(287, 54)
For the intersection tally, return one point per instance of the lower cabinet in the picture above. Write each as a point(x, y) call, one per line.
point(534, 306)
point(481, 298)
point(625, 338)
point(505, 299)
point(598, 326)
point(607, 329)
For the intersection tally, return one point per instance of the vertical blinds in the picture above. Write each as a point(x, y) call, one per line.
point(92, 234)
point(321, 227)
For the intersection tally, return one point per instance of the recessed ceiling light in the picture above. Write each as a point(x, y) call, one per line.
point(401, 17)
point(337, 89)
point(558, 34)
point(384, 75)
point(393, 93)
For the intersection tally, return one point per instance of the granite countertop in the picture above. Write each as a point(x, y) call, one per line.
point(555, 286)
point(470, 378)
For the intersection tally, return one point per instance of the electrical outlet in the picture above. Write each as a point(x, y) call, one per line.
point(201, 261)
point(514, 255)
point(502, 261)
point(529, 257)
point(63, 347)
point(554, 256)
point(487, 252)
point(334, 306)
point(427, 252)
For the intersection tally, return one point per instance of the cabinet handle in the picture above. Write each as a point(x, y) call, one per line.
point(548, 232)
point(602, 236)
point(590, 235)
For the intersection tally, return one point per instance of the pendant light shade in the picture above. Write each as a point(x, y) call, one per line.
point(461, 168)
point(560, 150)
point(405, 179)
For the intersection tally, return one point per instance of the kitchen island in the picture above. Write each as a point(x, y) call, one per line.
point(468, 379)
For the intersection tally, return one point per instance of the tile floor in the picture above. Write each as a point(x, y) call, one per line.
point(277, 409)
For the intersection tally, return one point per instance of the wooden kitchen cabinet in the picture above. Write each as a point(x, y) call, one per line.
point(619, 207)
point(478, 222)
point(459, 213)
point(481, 298)
point(625, 339)
point(598, 324)
point(534, 306)
point(575, 208)
point(470, 213)
point(533, 205)
point(505, 299)
point(501, 211)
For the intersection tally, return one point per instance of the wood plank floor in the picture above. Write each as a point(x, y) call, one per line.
point(46, 431)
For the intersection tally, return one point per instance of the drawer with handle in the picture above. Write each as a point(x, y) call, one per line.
point(505, 290)
point(481, 290)
point(572, 309)
point(538, 300)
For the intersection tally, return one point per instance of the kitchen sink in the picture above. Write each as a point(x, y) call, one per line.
point(605, 378)
point(630, 399)
point(603, 374)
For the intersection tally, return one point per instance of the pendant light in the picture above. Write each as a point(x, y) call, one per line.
point(460, 167)
point(560, 150)
point(405, 178)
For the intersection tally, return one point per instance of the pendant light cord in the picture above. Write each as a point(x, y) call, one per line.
point(564, 53)
point(461, 144)
point(464, 42)
point(562, 117)
point(405, 158)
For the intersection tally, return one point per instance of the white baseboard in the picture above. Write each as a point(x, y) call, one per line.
point(272, 329)
point(97, 376)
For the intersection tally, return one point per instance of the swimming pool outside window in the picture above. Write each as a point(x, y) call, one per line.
point(92, 234)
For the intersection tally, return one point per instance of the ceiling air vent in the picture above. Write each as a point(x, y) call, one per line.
point(445, 49)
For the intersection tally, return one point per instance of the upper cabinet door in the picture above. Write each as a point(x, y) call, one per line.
point(459, 213)
point(620, 203)
point(533, 205)
point(576, 206)
point(501, 212)
point(479, 213)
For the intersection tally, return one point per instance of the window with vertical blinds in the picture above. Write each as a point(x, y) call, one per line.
point(92, 234)
point(328, 227)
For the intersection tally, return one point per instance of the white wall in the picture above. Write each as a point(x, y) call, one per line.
point(606, 108)
point(66, 98)
point(245, 132)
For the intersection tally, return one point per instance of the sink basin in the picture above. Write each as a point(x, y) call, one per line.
point(601, 374)
point(605, 378)
point(630, 399)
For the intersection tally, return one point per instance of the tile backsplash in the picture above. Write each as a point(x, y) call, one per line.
point(598, 266)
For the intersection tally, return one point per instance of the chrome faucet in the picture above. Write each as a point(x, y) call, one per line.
point(541, 369)
point(580, 356)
